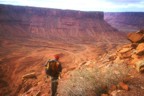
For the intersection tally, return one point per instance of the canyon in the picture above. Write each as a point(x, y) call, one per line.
point(29, 36)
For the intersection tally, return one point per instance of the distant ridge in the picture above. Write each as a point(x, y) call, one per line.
point(126, 21)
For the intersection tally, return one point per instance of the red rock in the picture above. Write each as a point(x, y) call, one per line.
point(141, 31)
point(104, 87)
point(134, 45)
point(104, 94)
point(71, 68)
point(38, 93)
point(118, 60)
point(115, 93)
point(113, 87)
point(124, 50)
point(136, 37)
point(112, 57)
point(116, 72)
point(135, 58)
point(126, 46)
point(140, 49)
point(142, 69)
point(124, 86)
point(140, 66)
point(125, 55)
point(29, 75)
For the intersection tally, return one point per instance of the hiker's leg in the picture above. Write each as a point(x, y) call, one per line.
point(47, 76)
point(54, 84)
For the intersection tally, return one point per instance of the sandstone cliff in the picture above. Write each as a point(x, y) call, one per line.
point(54, 24)
point(126, 21)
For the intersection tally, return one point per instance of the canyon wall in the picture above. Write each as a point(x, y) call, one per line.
point(54, 23)
point(126, 21)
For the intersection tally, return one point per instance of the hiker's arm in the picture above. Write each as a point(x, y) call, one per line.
point(45, 64)
point(59, 70)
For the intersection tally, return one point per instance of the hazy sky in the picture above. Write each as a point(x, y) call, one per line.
point(84, 5)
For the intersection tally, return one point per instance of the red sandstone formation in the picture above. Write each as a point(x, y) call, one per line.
point(55, 24)
point(125, 21)
point(136, 37)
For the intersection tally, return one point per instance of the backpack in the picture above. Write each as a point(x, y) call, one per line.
point(52, 68)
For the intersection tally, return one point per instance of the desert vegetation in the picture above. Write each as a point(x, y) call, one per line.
point(94, 81)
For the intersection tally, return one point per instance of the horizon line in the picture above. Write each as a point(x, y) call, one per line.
point(67, 9)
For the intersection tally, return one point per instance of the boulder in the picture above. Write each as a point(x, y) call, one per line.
point(29, 75)
point(112, 57)
point(140, 66)
point(38, 93)
point(132, 45)
point(140, 31)
point(136, 37)
point(113, 87)
point(104, 95)
point(118, 60)
point(115, 93)
point(124, 50)
point(135, 58)
point(125, 55)
point(124, 86)
point(140, 49)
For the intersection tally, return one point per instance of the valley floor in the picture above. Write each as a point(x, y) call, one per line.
point(21, 56)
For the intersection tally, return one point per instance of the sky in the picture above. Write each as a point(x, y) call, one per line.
point(83, 5)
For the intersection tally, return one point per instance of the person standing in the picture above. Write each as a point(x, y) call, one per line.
point(53, 70)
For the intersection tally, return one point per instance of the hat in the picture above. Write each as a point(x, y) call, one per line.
point(56, 57)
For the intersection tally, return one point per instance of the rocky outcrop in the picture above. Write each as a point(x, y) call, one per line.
point(136, 37)
point(131, 54)
point(140, 66)
point(140, 49)
point(29, 75)
point(55, 24)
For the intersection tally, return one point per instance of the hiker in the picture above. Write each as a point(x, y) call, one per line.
point(53, 69)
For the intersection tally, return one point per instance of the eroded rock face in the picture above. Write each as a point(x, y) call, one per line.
point(126, 21)
point(136, 37)
point(133, 53)
point(140, 66)
point(140, 49)
point(55, 24)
